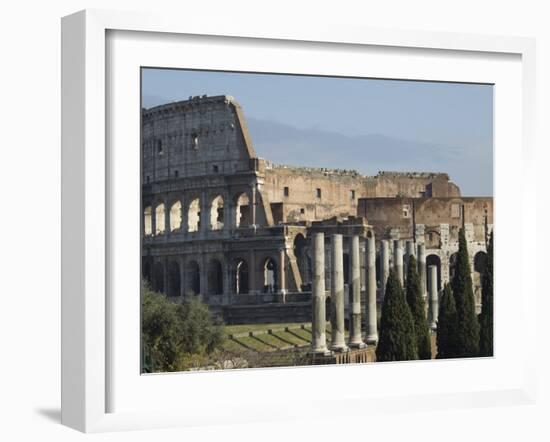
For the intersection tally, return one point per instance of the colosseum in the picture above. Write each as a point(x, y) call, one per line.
point(221, 222)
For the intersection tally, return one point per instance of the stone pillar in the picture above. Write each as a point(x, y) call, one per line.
point(337, 294)
point(167, 215)
point(355, 339)
point(421, 263)
point(398, 261)
point(253, 203)
point(384, 265)
point(205, 214)
point(153, 219)
point(184, 216)
point(434, 305)
point(165, 275)
point(282, 266)
point(372, 333)
point(252, 273)
point(318, 325)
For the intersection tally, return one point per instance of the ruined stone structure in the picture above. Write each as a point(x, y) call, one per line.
point(221, 222)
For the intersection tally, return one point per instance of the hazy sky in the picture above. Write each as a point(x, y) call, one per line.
point(362, 124)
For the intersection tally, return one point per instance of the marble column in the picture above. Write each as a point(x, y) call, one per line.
point(398, 260)
point(421, 267)
point(337, 294)
point(384, 265)
point(434, 306)
point(355, 339)
point(318, 326)
point(372, 333)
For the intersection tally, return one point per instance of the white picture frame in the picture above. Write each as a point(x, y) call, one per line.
point(87, 314)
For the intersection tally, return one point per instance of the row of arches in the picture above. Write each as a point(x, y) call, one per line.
point(168, 279)
point(161, 218)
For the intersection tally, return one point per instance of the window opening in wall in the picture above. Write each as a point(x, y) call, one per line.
point(302, 211)
point(242, 210)
point(175, 216)
point(147, 179)
point(194, 141)
point(216, 214)
point(160, 147)
point(147, 221)
point(160, 219)
point(215, 169)
point(352, 194)
point(176, 173)
point(194, 216)
point(286, 191)
point(406, 211)
point(318, 193)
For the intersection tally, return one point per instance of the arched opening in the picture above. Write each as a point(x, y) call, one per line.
point(192, 278)
point(241, 277)
point(215, 277)
point(158, 278)
point(433, 260)
point(242, 210)
point(194, 216)
point(299, 249)
point(216, 213)
point(480, 264)
point(147, 221)
point(270, 275)
point(175, 216)
point(174, 279)
point(160, 219)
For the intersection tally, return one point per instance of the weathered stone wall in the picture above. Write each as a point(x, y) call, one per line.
point(309, 194)
point(201, 136)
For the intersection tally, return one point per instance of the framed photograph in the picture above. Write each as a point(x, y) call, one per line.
point(264, 223)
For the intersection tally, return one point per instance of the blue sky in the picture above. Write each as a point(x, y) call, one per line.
point(364, 124)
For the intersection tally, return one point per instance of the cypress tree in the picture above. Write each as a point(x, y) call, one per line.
point(467, 322)
point(486, 316)
point(417, 307)
point(447, 325)
point(397, 338)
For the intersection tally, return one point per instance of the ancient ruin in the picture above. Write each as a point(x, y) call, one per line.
point(262, 242)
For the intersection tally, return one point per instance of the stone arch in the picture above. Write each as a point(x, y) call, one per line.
point(215, 277)
point(240, 280)
point(158, 277)
point(174, 279)
point(299, 248)
point(217, 213)
point(242, 210)
point(270, 274)
point(192, 278)
point(147, 221)
point(175, 216)
point(433, 259)
point(194, 215)
point(160, 219)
